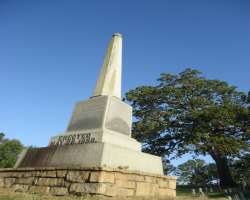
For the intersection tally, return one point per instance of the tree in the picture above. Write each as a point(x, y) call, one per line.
point(241, 170)
point(189, 113)
point(212, 174)
point(191, 172)
point(196, 172)
point(9, 149)
point(168, 168)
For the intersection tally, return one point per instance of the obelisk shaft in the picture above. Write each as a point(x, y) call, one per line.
point(109, 81)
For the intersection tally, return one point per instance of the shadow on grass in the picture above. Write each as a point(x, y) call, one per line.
point(216, 195)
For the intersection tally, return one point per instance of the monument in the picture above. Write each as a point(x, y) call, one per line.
point(96, 146)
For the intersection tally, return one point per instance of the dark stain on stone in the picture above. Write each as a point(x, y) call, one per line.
point(38, 157)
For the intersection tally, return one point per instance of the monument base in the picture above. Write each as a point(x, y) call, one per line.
point(104, 182)
point(91, 155)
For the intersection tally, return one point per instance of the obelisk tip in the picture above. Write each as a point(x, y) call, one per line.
point(117, 34)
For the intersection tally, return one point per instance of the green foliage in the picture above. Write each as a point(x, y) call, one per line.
point(212, 173)
point(196, 172)
point(241, 170)
point(189, 113)
point(168, 168)
point(9, 149)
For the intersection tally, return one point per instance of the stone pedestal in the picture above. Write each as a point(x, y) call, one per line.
point(102, 182)
point(98, 135)
point(99, 119)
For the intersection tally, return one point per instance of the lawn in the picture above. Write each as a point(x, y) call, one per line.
point(7, 194)
point(186, 192)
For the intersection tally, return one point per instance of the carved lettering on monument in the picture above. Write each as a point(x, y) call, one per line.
point(80, 138)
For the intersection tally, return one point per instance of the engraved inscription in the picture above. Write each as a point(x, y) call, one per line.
point(80, 138)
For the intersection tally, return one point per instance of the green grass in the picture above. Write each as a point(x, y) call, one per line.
point(7, 194)
point(183, 191)
point(186, 191)
point(216, 195)
point(6, 198)
point(182, 194)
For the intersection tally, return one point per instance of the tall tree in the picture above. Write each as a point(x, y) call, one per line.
point(196, 172)
point(192, 172)
point(189, 113)
point(9, 150)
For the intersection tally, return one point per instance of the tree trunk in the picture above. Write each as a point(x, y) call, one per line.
point(224, 173)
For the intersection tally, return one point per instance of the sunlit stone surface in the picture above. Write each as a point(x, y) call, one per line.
point(109, 82)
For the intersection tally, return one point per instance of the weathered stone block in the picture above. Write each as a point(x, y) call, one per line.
point(39, 189)
point(5, 174)
point(111, 190)
point(124, 192)
point(150, 179)
point(59, 191)
point(115, 191)
point(15, 175)
point(61, 173)
point(131, 177)
point(51, 182)
point(51, 174)
point(172, 184)
point(29, 174)
point(1, 182)
point(125, 183)
point(77, 176)
point(24, 174)
point(136, 177)
point(88, 188)
point(26, 181)
point(165, 192)
point(8, 182)
point(163, 184)
point(67, 184)
point(102, 177)
point(77, 188)
point(145, 189)
point(20, 188)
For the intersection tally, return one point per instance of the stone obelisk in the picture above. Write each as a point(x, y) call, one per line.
point(99, 131)
point(109, 82)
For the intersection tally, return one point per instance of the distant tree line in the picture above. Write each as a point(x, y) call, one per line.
point(198, 173)
point(188, 113)
point(9, 150)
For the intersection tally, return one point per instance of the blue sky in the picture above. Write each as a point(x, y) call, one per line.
point(51, 52)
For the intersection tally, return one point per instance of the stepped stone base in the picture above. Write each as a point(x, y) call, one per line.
point(94, 155)
point(102, 182)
